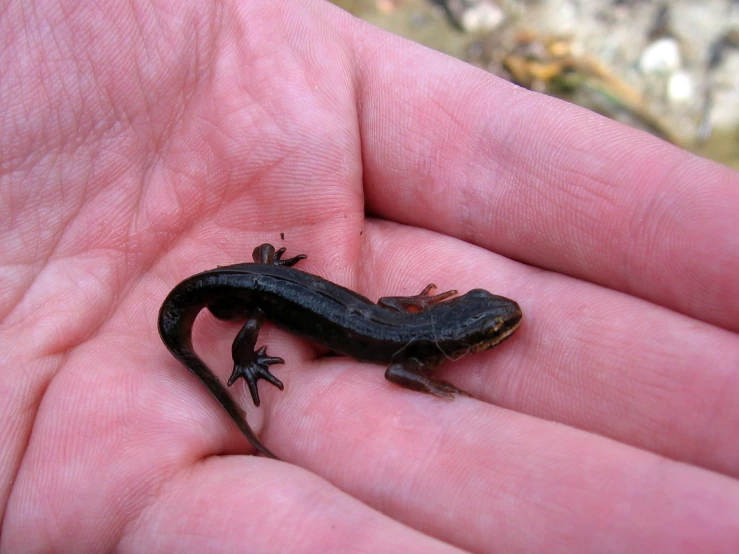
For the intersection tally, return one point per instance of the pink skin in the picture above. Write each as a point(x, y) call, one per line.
point(143, 142)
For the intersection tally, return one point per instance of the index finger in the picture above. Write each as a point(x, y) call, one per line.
point(451, 148)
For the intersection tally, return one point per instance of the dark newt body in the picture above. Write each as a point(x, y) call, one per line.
point(413, 334)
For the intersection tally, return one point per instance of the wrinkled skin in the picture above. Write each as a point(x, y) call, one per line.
point(145, 141)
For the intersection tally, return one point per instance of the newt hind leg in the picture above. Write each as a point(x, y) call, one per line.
point(266, 254)
point(249, 363)
point(414, 375)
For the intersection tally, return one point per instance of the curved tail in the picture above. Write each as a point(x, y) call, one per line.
point(175, 329)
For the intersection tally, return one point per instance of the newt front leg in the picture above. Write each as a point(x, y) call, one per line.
point(414, 375)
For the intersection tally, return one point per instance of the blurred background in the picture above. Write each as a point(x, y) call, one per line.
point(668, 67)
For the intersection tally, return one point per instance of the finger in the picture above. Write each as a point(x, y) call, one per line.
point(451, 148)
point(255, 505)
point(584, 355)
point(122, 469)
point(490, 480)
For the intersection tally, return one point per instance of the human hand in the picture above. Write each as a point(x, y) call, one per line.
point(142, 143)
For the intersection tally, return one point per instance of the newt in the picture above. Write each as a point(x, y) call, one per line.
point(413, 334)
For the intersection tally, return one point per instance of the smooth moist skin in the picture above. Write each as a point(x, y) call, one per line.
point(413, 334)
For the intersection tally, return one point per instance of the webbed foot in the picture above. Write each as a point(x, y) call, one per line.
point(254, 368)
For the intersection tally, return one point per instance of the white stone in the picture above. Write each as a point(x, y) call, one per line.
point(661, 57)
point(483, 16)
point(680, 89)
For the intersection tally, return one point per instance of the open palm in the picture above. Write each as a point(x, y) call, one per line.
point(142, 143)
